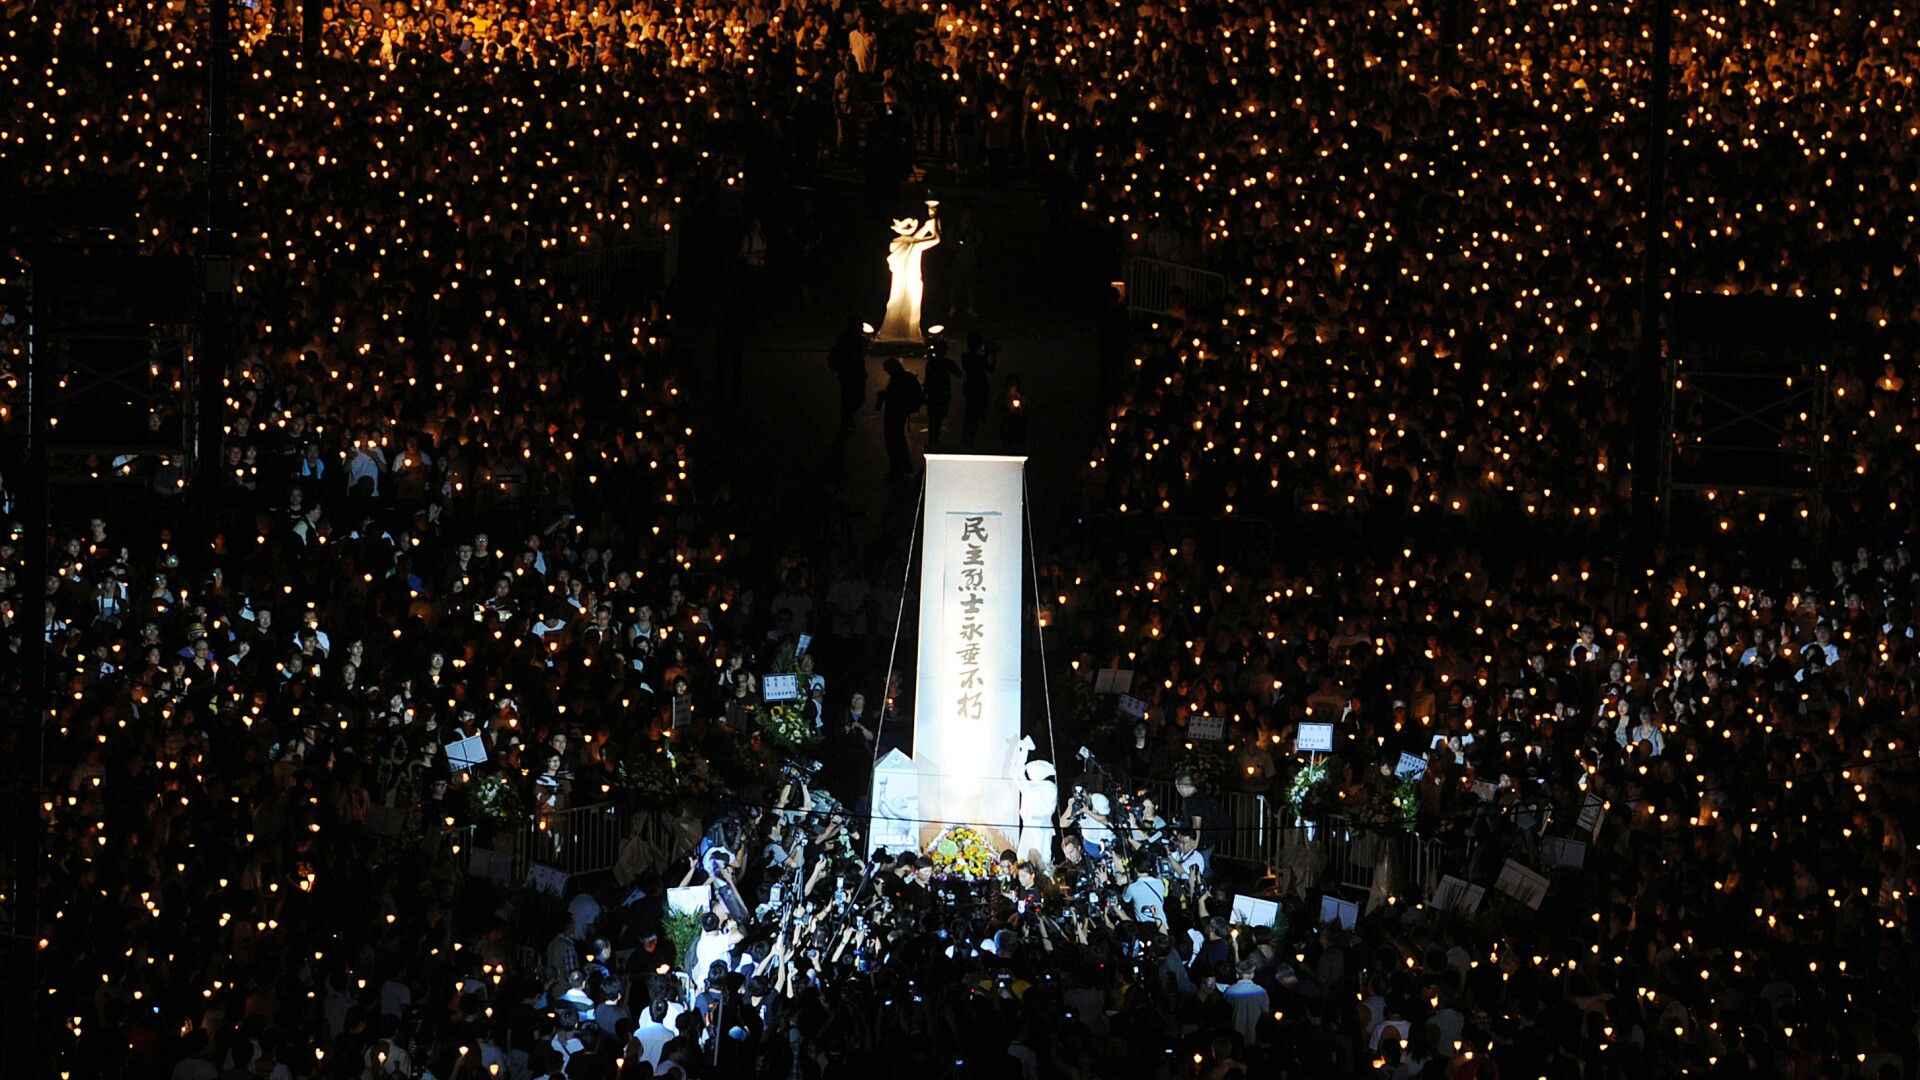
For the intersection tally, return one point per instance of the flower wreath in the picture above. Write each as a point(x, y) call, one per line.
point(961, 851)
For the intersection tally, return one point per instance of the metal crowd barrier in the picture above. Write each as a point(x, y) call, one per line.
point(1151, 284)
point(602, 271)
point(585, 839)
point(1255, 834)
point(576, 840)
point(1352, 855)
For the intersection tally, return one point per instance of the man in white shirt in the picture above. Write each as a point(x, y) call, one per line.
point(716, 942)
point(1822, 646)
point(860, 43)
point(1188, 860)
point(656, 1028)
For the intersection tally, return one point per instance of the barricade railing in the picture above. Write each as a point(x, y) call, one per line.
point(1152, 285)
point(576, 840)
point(1254, 833)
point(585, 839)
point(1353, 853)
point(601, 271)
point(1350, 852)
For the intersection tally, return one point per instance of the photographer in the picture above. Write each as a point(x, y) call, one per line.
point(1146, 894)
point(1201, 812)
point(1089, 814)
point(1073, 866)
point(1142, 826)
point(784, 857)
point(1190, 861)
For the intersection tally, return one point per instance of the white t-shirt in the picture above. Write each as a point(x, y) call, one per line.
point(652, 1038)
point(1098, 835)
point(1195, 858)
point(713, 945)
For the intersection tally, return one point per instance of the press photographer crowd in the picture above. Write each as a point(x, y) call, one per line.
point(1368, 745)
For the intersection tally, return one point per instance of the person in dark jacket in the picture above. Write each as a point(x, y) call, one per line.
point(847, 359)
point(978, 363)
point(897, 402)
point(941, 371)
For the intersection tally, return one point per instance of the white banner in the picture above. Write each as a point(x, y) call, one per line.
point(967, 696)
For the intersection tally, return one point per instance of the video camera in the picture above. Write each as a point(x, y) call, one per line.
point(799, 771)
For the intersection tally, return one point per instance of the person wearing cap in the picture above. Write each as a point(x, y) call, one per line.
point(1091, 818)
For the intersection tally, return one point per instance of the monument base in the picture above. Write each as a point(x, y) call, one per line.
point(896, 347)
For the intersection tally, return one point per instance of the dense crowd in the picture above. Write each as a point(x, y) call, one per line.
point(459, 503)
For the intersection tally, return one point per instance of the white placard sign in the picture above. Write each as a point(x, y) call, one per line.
point(1207, 728)
point(1314, 739)
point(1455, 895)
point(780, 687)
point(1411, 765)
point(1522, 884)
point(547, 879)
point(1593, 814)
point(689, 899)
point(466, 753)
point(1113, 681)
point(967, 708)
point(1560, 851)
point(1253, 911)
point(1131, 707)
point(1335, 911)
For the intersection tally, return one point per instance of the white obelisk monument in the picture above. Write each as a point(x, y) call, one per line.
point(966, 712)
